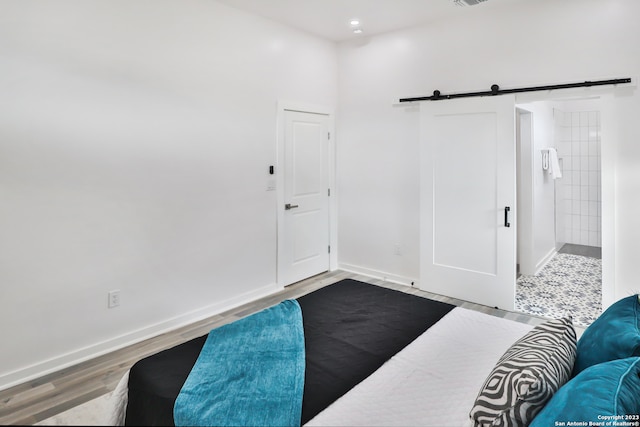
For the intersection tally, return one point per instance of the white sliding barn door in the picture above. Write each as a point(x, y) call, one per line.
point(467, 161)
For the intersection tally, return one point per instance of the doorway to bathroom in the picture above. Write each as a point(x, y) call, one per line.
point(559, 208)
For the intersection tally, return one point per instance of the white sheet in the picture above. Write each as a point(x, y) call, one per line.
point(432, 382)
point(119, 400)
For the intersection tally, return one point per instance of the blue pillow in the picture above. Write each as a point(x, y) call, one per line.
point(613, 335)
point(602, 393)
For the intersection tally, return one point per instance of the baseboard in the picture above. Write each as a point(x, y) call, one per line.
point(377, 274)
point(75, 357)
point(543, 262)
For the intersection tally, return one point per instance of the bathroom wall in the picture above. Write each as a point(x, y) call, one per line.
point(578, 192)
point(537, 238)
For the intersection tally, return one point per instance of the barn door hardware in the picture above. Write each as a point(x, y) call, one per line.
point(495, 90)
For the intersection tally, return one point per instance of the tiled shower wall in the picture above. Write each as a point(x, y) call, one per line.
point(578, 192)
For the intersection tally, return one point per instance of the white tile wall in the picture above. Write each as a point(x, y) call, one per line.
point(578, 192)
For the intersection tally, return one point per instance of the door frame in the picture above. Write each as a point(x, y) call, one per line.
point(608, 127)
point(609, 102)
point(524, 191)
point(282, 107)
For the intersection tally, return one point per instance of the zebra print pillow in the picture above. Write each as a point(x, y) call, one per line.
point(527, 375)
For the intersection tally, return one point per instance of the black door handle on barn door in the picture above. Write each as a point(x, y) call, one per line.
point(506, 216)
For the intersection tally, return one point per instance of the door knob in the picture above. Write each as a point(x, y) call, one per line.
point(289, 206)
point(506, 216)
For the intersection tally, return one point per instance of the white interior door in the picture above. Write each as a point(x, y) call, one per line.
point(467, 180)
point(303, 246)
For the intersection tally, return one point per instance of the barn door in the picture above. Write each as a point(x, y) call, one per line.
point(468, 230)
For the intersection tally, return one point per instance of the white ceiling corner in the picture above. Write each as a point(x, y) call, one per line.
point(329, 19)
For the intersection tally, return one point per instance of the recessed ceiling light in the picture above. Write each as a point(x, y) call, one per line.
point(355, 22)
point(357, 30)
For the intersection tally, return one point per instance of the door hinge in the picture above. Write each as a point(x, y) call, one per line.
point(329, 192)
point(328, 135)
point(329, 248)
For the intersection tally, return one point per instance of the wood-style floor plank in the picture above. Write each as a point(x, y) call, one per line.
point(52, 394)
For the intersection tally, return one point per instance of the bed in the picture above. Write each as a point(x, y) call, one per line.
point(376, 356)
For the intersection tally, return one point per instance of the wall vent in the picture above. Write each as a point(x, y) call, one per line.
point(468, 2)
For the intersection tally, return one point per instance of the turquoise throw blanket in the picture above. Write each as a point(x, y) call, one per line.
point(249, 373)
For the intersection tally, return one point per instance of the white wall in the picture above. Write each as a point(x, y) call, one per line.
point(135, 139)
point(527, 43)
point(541, 236)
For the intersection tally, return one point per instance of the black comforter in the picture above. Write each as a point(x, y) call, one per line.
point(351, 328)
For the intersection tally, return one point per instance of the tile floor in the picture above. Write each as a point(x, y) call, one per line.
point(570, 284)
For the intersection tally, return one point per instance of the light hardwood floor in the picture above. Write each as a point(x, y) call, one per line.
point(52, 394)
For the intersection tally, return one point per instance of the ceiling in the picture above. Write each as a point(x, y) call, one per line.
point(330, 19)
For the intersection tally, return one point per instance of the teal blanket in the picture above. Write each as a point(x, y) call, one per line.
point(249, 373)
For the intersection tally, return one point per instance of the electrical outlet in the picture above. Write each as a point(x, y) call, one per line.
point(397, 249)
point(114, 298)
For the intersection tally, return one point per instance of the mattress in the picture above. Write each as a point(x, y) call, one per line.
point(351, 329)
point(432, 382)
